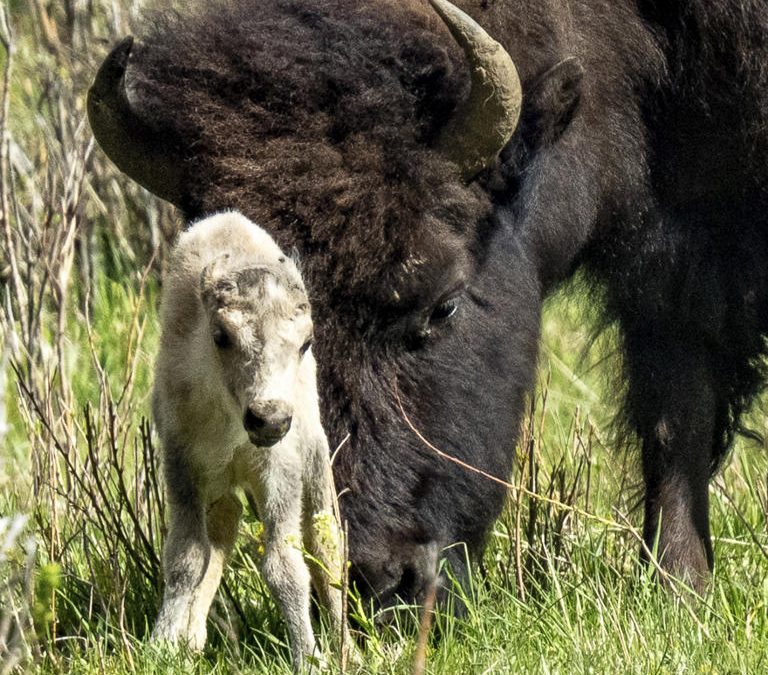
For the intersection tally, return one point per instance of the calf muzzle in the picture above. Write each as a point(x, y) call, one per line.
point(267, 422)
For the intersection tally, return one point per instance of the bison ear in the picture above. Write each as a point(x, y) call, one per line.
point(552, 103)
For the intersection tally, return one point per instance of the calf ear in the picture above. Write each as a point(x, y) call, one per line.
point(552, 102)
point(215, 287)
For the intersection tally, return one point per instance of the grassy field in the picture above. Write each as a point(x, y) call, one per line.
point(81, 504)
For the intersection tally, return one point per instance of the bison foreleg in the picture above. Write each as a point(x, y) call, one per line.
point(673, 404)
point(222, 519)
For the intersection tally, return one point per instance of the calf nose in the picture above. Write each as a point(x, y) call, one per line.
point(267, 421)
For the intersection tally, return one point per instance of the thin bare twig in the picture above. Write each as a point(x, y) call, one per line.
point(6, 38)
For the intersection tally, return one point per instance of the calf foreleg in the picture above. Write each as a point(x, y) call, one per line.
point(278, 499)
point(222, 519)
point(198, 543)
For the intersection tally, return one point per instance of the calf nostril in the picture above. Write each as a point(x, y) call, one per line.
point(253, 422)
point(264, 427)
point(284, 424)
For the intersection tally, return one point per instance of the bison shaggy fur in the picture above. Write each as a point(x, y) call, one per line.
point(640, 159)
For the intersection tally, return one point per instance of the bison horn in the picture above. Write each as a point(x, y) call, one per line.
point(136, 149)
point(486, 120)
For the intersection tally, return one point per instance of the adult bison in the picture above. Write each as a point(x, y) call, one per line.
point(376, 137)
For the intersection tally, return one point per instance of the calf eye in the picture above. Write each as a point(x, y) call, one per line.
point(445, 310)
point(305, 346)
point(221, 339)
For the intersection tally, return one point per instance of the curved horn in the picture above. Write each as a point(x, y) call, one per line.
point(486, 120)
point(136, 149)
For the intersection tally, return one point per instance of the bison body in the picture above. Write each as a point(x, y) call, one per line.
point(639, 157)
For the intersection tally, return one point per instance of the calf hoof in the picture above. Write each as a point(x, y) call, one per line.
point(173, 636)
point(312, 663)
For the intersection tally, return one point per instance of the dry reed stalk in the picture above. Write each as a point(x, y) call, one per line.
point(344, 648)
point(17, 633)
point(425, 626)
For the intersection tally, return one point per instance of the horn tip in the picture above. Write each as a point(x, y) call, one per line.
point(121, 51)
point(112, 69)
point(117, 60)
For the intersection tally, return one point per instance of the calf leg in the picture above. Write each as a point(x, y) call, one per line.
point(278, 498)
point(287, 577)
point(192, 559)
point(222, 519)
point(321, 535)
point(672, 402)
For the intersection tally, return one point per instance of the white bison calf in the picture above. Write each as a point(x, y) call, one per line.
point(235, 403)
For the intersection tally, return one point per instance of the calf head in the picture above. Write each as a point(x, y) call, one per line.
point(260, 329)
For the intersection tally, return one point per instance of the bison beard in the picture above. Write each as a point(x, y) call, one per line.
point(639, 158)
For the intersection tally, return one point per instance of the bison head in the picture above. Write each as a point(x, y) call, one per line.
point(352, 132)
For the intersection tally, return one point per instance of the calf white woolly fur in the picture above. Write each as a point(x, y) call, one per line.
point(235, 403)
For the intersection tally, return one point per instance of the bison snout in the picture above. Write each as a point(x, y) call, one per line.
point(267, 422)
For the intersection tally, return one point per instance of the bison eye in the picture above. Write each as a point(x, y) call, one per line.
point(445, 310)
point(305, 347)
point(221, 339)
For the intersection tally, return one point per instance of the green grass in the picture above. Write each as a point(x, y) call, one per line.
point(586, 605)
point(560, 590)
